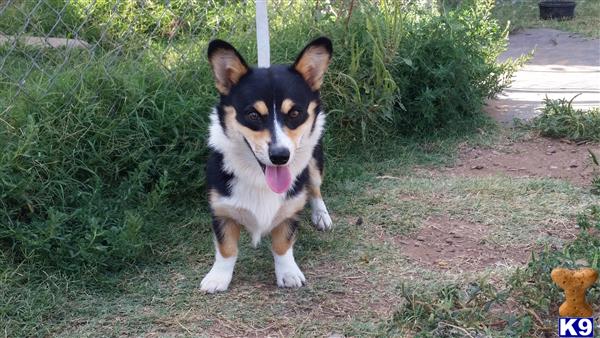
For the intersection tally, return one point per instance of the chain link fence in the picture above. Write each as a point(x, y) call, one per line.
point(42, 40)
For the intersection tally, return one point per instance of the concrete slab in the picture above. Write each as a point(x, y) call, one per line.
point(43, 42)
point(563, 65)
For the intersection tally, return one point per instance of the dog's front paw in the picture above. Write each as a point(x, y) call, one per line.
point(320, 216)
point(215, 281)
point(289, 277)
point(321, 219)
point(293, 278)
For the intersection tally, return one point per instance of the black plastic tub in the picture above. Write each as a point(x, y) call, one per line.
point(561, 10)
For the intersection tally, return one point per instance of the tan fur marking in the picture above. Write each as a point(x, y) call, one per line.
point(213, 196)
point(312, 66)
point(227, 68)
point(315, 179)
point(231, 236)
point(257, 139)
point(296, 134)
point(261, 107)
point(280, 238)
point(286, 105)
point(311, 108)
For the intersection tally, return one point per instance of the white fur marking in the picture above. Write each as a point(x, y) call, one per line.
point(219, 277)
point(282, 140)
point(320, 216)
point(287, 272)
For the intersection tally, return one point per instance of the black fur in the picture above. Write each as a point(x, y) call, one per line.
point(319, 156)
point(300, 183)
point(272, 86)
point(217, 44)
point(217, 178)
point(322, 41)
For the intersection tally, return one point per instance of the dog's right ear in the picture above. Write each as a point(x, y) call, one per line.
point(227, 64)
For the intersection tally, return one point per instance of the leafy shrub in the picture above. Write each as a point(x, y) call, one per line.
point(38, 18)
point(447, 67)
point(117, 22)
point(88, 166)
point(103, 150)
point(560, 119)
point(410, 72)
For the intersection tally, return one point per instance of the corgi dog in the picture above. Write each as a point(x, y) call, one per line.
point(266, 158)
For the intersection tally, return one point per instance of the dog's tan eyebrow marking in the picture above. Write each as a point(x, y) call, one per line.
point(255, 138)
point(286, 106)
point(312, 107)
point(261, 107)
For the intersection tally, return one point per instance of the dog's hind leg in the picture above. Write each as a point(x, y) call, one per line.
point(320, 216)
point(227, 234)
point(287, 272)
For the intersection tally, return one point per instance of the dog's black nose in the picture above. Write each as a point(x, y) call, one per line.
point(279, 155)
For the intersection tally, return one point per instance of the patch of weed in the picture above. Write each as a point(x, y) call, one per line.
point(561, 120)
point(596, 178)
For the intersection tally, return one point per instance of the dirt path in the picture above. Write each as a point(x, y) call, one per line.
point(563, 65)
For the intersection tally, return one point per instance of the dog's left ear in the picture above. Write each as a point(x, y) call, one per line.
point(313, 61)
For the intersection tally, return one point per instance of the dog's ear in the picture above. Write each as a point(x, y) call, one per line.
point(227, 64)
point(313, 61)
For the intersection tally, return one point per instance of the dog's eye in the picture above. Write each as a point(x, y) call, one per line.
point(294, 113)
point(253, 116)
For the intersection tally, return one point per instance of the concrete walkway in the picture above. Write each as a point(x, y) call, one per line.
point(563, 65)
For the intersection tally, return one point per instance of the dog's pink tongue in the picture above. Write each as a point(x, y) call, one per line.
point(279, 178)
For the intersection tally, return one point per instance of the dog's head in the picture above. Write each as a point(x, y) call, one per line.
point(270, 110)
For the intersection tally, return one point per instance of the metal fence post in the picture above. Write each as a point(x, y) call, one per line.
point(262, 34)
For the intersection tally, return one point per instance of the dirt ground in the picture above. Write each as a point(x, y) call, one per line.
point(466, 245)
point(531, 158)
point(462, 248)
point(562, 65)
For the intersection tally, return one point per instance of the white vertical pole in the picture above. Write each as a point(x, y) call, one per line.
point(262, 34)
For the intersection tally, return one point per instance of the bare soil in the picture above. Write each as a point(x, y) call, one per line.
point(446, 244)
point(531, 158)
point(443, 243)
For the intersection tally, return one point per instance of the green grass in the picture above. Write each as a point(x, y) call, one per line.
point(356, 272)
point(596, 179)
point(105, 147)
point(525, 14)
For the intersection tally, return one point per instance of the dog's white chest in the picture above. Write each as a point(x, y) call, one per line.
point(258, 209)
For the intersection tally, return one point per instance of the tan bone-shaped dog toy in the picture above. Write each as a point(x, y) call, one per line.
point(574, 283)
